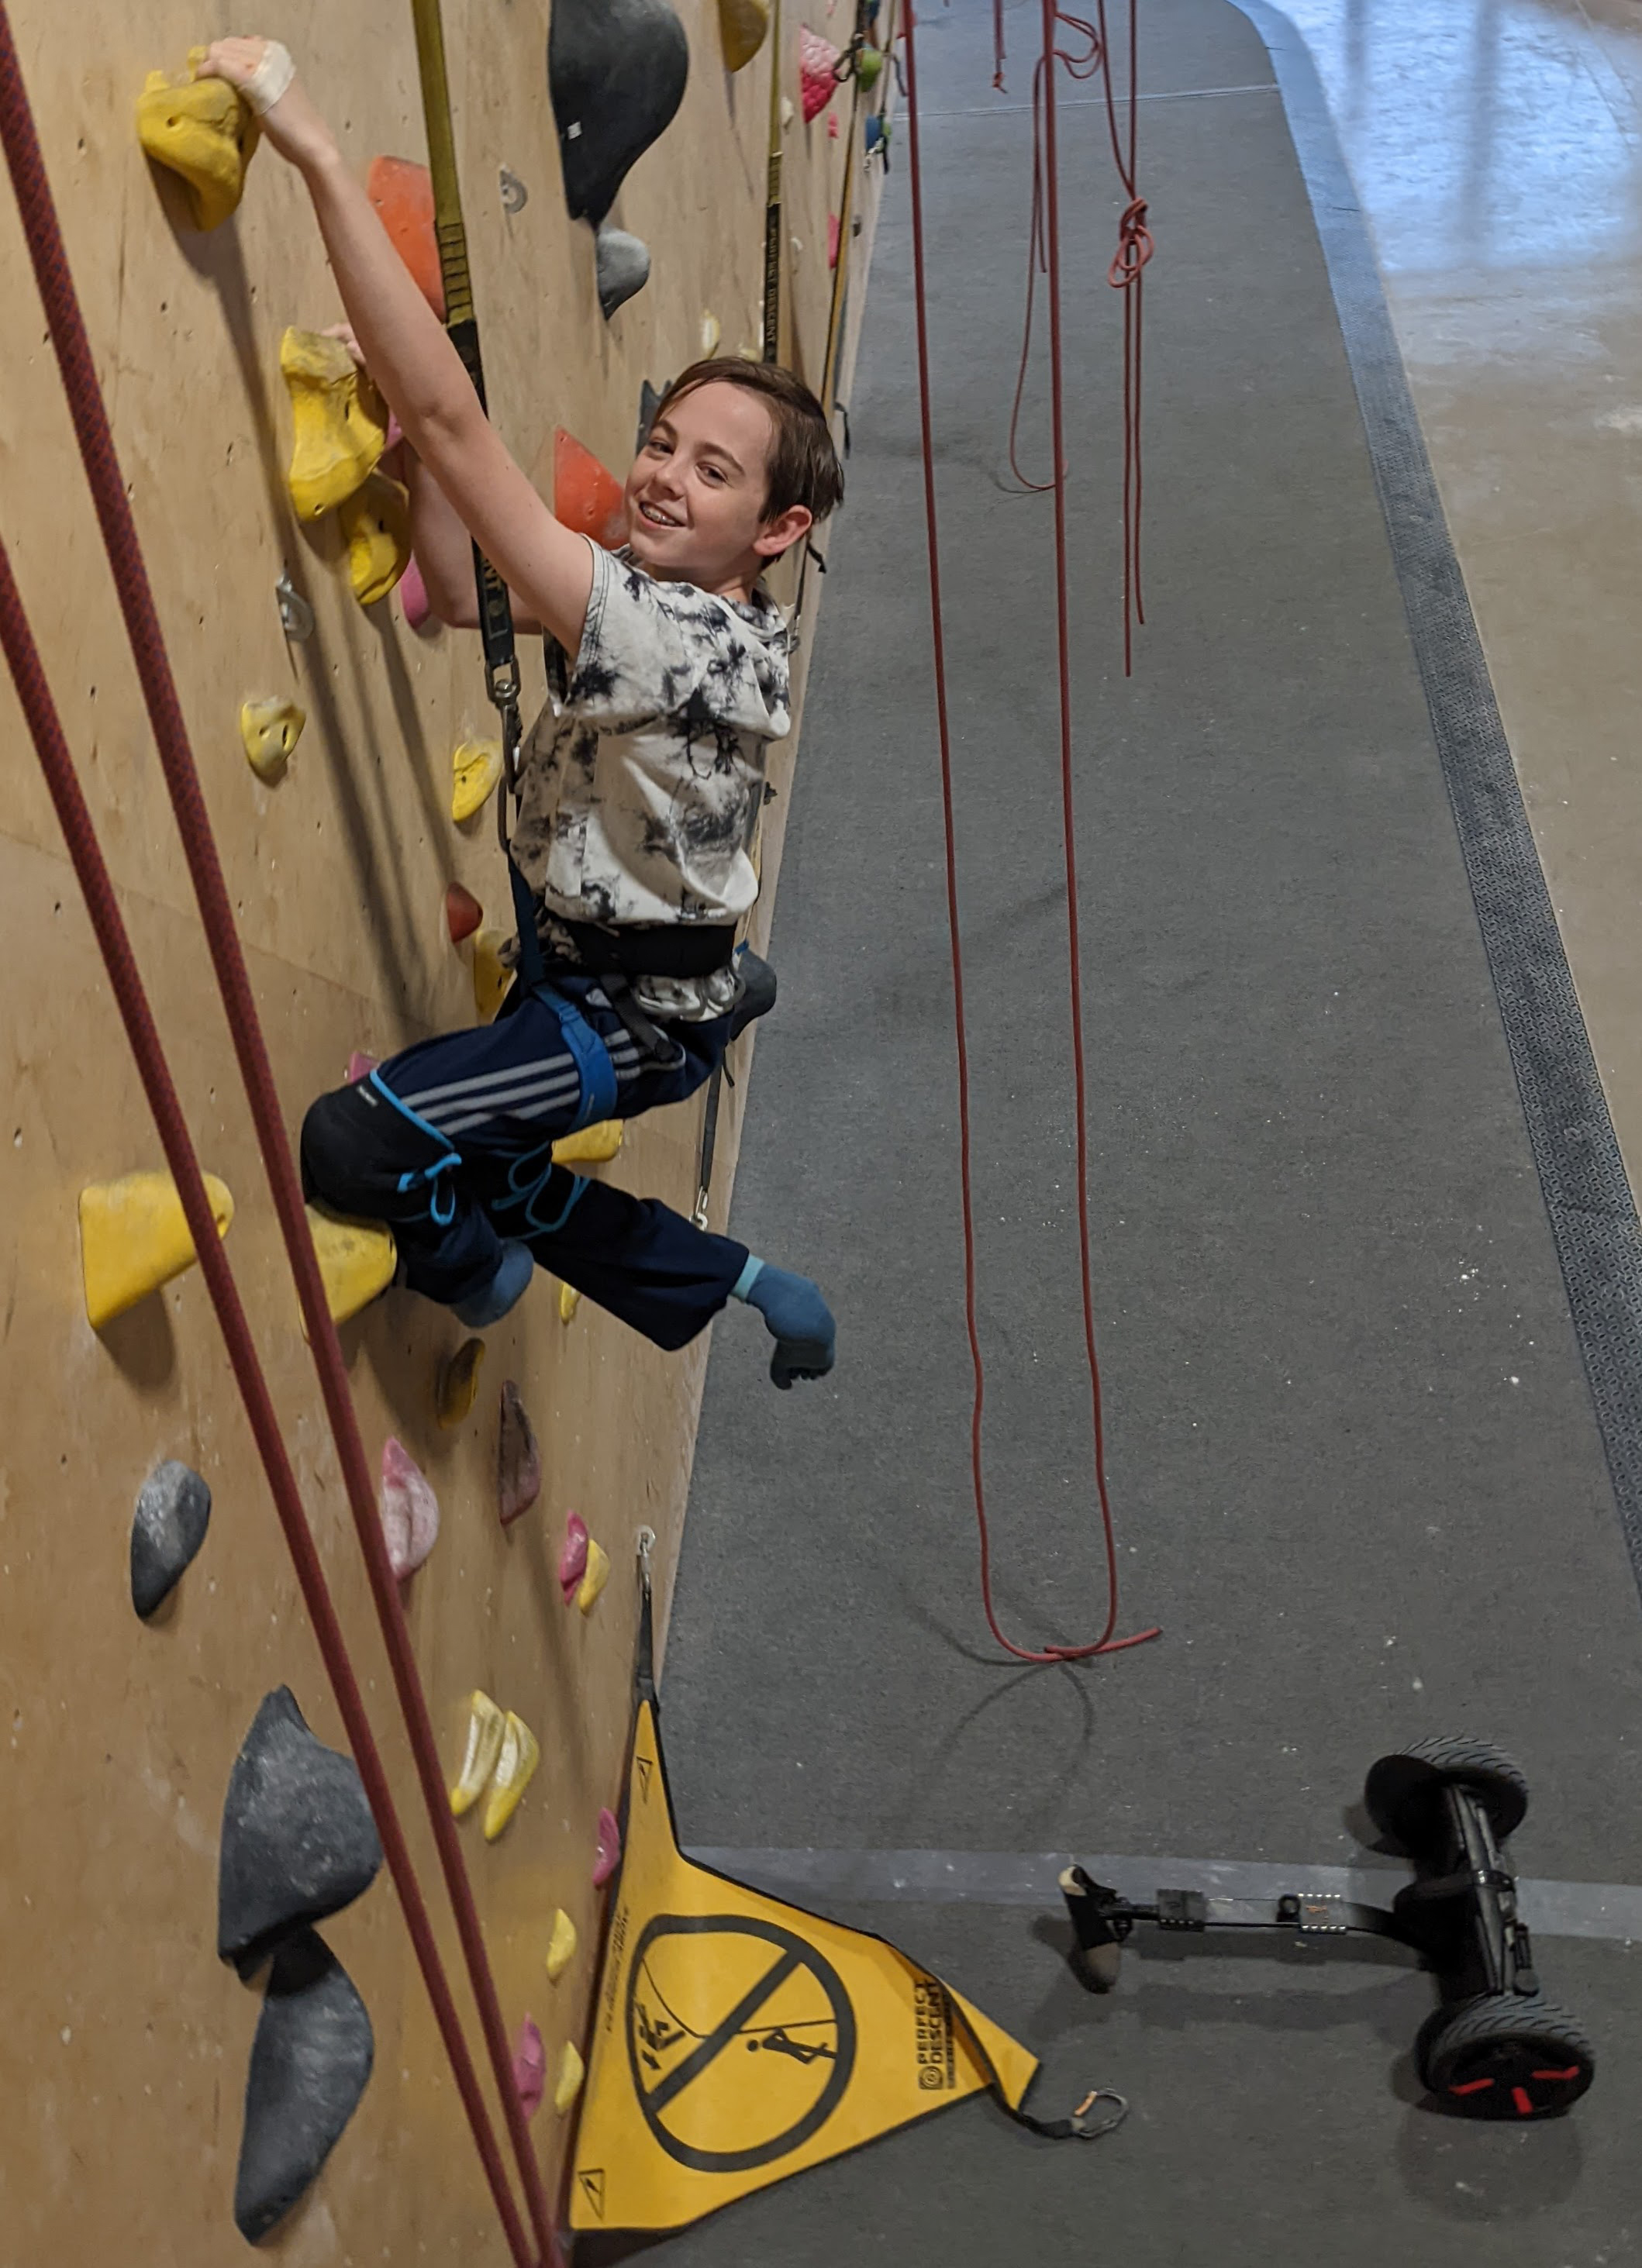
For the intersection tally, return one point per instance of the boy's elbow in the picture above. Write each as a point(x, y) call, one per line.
point(456, 614)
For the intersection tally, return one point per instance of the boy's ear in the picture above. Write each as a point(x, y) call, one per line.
point(780, 533)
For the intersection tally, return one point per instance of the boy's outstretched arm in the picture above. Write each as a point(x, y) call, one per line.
point(417, 369)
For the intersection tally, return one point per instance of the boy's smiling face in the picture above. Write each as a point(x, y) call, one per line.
point(697, 492)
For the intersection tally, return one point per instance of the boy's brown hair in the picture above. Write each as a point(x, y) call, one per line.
point(804, 466)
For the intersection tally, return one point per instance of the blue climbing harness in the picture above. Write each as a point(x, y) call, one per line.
point(584, 1046)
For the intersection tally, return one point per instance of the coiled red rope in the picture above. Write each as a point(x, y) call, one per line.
point(1107, 1643)
point(66, 323)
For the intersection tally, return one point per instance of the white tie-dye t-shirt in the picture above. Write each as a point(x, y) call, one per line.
point(642, 780)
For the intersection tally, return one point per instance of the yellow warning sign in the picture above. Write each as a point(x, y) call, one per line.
point(737, 2040)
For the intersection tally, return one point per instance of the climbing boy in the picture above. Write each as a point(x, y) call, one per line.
point(640, 793)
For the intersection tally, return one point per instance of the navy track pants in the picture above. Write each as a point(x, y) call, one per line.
point(451, 1143)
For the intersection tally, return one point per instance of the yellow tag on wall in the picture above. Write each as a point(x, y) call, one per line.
point(737, 2040)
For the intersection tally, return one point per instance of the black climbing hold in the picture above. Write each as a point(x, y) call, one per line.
point(616, 70)
point(623, 269)
point(173, 1510)
point(298, 1841)
point(649, 402)
point(309, 2064)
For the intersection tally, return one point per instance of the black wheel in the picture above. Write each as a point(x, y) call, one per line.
point(1401, 1792)
point(1508, 2054)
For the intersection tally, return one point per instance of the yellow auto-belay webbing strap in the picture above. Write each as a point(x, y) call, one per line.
point(462, 324)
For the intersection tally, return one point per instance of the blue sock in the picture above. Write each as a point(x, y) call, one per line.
point(796, 1315)
point(506, 1288)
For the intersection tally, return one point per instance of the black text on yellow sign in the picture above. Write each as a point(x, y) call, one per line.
point(739, 2040)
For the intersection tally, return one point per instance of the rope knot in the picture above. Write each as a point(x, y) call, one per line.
point(1135, 247)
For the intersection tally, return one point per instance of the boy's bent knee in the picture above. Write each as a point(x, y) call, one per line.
point(332, 1151)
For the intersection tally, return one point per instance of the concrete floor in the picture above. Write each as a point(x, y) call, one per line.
point(1496, 147)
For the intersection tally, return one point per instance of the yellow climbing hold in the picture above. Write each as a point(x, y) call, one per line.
point(459, 1382)
point(202, 131)
point(710, 333)
point(491, 975)
point(270, 730)
point(338, 437)
point(572, 2071)
point(594, 1145)
point(485, 1728)
point(476, 769)
point(357, 1260)
point(560, 1945)
point(569, 1299)
point(376, 521)
point(597, 1576)
point(743, 28)
point(520, 1754)
point(134, 1237)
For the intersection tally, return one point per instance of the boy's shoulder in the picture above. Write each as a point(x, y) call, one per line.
point(708, 613)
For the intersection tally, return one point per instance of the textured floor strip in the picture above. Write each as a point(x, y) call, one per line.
point(1612, 1911)
point(1588, 1194)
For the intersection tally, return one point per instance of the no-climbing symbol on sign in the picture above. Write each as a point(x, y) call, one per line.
point(739, 2040)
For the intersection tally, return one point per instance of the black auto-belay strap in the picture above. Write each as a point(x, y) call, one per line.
point(651, 948)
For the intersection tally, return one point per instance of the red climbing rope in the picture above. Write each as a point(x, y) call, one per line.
point(45, 727)
point(66, 323)
point(1135, 248)
point(1106, 1643)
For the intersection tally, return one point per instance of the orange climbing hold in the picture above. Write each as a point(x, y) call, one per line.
point(463, 912)
point(402, 193)
point(585, 497)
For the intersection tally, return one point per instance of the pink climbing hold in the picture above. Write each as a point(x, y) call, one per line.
point(835, 230)
point(530, 2068)
point(607, 1856)
point(832, 135)
point(413, 595)
point(463, 912)
point(818, 62)
point(410, 1510)
point(573, 1558)
point(360, 1065)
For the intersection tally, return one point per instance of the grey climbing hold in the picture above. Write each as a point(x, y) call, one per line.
point(649, 402)
point(173, 1510)
point(616, 70)
point(298, 1841)
point(515, 195)
point(517, 1461)
point(296, 615)
point(623, 269)
point(310, 2062)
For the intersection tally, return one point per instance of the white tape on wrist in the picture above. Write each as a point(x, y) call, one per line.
point(270, 78)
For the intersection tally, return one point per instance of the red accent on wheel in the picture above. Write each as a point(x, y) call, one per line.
point(1573, 2072)
point(1471, 2087)
point(1523, 2100)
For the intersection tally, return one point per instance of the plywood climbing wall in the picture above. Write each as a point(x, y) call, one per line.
point(127, 2041)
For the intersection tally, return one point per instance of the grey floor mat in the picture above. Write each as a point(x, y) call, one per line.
point(1357, 1475)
